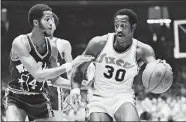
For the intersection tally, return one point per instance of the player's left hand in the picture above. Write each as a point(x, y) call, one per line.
point(66, 104)
point(72, 101)
point(76, 101)
point(165, 63)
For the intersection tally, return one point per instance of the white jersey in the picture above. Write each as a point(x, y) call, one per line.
point(59, 44)
point(64, 55)
point(115, 71)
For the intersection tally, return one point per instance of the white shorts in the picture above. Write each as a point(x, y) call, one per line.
point(108, 105)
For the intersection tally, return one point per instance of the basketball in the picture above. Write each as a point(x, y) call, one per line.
point(157, 77)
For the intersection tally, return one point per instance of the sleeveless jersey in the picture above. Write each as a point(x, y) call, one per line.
point(61, 57)
point(115, 71)
point(22, 80)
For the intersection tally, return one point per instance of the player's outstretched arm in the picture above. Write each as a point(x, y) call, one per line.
point(94, 47)
point(21, 48)
point(77, 73)
point(74, 98)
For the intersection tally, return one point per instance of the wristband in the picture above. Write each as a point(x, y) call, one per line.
point(75, 91)
point(68, 66)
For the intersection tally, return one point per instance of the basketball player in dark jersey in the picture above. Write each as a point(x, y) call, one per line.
point(117, 57)
point(31, 56)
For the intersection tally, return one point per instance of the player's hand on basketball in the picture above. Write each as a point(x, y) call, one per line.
point(81, 59)
point(165, 63)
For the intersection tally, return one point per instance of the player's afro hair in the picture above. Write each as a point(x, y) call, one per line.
point(36, 12)
point(133, 18)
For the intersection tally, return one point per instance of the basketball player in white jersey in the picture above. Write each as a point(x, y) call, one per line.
point(32, 55)
point(55, 90)
point(117, 57)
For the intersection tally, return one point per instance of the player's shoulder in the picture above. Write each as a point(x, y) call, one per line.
point(143, 46)
point(143, 50)
point(20, 41)
point(99, 40)
point(96, 45)
point(62, 42)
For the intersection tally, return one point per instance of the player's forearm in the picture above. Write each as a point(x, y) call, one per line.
point(49, 73)
point(62, 82)
point(76, 78)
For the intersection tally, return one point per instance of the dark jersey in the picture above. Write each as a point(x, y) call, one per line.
point(21, 78)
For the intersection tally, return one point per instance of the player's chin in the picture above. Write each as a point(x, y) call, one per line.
point(47, 34)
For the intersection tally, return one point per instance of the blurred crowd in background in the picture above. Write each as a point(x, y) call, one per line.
point(79, 22)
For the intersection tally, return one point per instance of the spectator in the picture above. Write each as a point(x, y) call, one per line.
point(146, 116)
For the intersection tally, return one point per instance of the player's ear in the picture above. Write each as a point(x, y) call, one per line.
point(133, 27)
point(35, 22)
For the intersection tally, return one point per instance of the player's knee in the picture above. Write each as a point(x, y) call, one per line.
point(11, 108)
point(13, 113)
point(99, 117)
point(127, 112)
point(93, 117)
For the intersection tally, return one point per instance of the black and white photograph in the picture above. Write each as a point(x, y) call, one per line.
point(93, 60)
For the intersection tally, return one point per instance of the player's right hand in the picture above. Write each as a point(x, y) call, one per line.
point(81, 59)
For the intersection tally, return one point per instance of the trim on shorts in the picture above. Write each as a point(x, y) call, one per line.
point(21, 92)
point(60, 98)
point(49, 106)
point(5, 98)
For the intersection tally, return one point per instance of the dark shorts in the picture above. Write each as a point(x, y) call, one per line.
point(36, 106)
point(56, 96)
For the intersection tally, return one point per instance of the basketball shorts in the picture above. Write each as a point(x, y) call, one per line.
point(36, 106)
point(107, 105)
point(56, 96)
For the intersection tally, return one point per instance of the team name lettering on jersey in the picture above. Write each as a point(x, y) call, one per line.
point(113, 60)
point(22, 69)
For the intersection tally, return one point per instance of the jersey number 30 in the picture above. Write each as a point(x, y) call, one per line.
point(120, 73)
